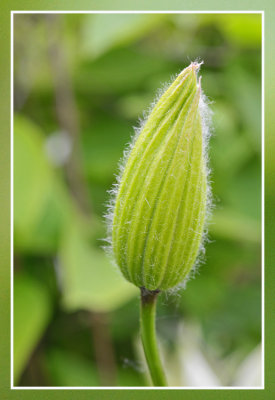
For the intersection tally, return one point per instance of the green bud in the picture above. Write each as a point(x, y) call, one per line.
point(158, 214)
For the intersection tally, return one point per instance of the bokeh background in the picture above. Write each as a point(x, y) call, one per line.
point(81, 82)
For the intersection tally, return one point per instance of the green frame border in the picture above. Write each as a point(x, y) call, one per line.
point(269, 94)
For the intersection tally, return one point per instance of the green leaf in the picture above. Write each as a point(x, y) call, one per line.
point(32, 311)
point(130, 70)
point(129, 375)
point(102, 145)
point(44, 236)
point(32, 176)
point(42, 203)
point(88, 278)
point(103, 31)
point(244, 194)
point(68, 369)
point(244, 30)
point(232, 225)
point(246, 96)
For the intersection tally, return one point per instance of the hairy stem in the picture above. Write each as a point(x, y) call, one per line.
point(148, 336)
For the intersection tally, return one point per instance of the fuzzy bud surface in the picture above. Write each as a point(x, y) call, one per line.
point(159, 210)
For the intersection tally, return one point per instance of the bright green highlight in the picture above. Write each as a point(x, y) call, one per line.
point(161, 202)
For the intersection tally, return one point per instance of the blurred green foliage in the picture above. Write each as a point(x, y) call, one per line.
point(81, 82)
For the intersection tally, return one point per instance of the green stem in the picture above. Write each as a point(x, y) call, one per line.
point(148, 336)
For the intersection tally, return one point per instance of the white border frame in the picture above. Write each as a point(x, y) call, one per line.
point(262, 387)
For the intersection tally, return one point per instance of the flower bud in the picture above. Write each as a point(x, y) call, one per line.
point(158, 214)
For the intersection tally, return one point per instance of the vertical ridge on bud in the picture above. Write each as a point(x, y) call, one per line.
point(159, 211)
point(152, 191)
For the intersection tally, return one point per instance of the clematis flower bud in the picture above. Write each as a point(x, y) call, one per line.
point(159, 209)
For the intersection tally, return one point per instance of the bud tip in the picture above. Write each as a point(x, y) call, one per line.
point(195, 65)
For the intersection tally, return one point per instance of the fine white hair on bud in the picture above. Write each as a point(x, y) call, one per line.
point(160, 203)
